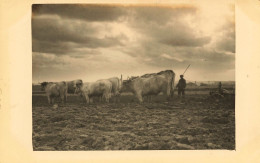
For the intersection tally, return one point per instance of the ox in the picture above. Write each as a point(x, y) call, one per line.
point(55, 89)
point(100, 88)
point(168, 76)
point(116, 87)
point(73, 84)
point(151, 84)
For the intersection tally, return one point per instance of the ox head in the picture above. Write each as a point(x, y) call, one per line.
point(78, 83)
point(77, 86)
point(77, 91)
point(43, 85)
point(126, 85)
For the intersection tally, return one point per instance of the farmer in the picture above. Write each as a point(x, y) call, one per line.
point(181, 86)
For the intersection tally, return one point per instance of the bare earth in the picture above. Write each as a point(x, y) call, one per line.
point(197, 122)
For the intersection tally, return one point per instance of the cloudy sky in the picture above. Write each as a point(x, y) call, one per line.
point(92, 42)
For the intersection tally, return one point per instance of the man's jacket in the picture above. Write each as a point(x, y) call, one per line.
point(181, 84)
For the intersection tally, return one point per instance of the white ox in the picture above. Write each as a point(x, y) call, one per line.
point(54, 90)
point(73, 84)
point(100, 88)
point(151, 84)
point(116, 87)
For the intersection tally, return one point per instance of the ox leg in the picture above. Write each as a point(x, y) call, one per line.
point(91, 100)
point(118, 98)
point(107, 97)
point(140, 98)
point(110, 95)
point(167, 95)
point(87, 99)
point(168, 92)
point(114, 97)
point(62, 99)
point(172, 94)
point(81, 97)
point(100, 98)
point(49, 99)
point(65, 97)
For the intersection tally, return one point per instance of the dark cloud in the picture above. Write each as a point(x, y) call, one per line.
point(159, 15)
point(55, 35)
point(63, 48)
point(55, 29)
point(52, 35)
point(185, 40)
point(51, 47)
point(47, 61)
point(79, 11)
point(227, 40)
point(99, 39)
point(165, 25)
point(227, 44)
point(159, 55)
point(96, 12)
point(50, 68)
point(180, 42)
point(203, 61)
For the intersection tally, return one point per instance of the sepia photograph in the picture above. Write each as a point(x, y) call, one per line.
point(133, 76)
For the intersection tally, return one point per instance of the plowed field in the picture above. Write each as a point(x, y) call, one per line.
point(196, 122)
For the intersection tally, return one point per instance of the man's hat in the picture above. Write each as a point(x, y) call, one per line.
point(181, 75)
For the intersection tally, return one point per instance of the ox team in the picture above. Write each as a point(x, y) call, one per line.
point(144, 86)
